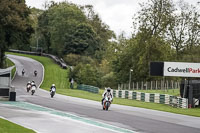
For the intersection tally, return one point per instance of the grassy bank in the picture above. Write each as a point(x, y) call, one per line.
point(9, 127)
point(59, 76)
point(9, 63)
point(53, 72)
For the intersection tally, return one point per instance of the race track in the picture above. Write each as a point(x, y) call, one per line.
point(119, 118)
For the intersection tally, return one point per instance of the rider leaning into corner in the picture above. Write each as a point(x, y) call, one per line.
point(107, 92)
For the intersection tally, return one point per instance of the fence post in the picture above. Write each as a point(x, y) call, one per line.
point(118, 86)
point(156, 85)
point(142, 86)
point(146, 85)
point(137, 85)
point(167, 86)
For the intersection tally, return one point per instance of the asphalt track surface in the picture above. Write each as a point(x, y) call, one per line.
point(131, 118)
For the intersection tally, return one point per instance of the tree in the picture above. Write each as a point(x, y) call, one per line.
point(62, 20)
point(101, 29)
point(184, 29)
point(83, 41)
point(15, 28)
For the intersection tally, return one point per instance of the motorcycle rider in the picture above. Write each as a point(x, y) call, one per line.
point(33, 84)
point(33, 87)
point(106, 93)
point(35, 73)
point(52, 90)
point(23, 71)
point(53, 87)
point(28, 86)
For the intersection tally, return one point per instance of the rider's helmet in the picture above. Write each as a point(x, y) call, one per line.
point(32, 83)
point(108, 89)
point(29, 82)
point(53, 85)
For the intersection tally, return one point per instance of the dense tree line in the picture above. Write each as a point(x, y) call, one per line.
point(15, 26)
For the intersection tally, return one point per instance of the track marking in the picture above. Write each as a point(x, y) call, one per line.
point(35, 107)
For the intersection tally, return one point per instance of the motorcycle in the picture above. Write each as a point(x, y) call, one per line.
point(35, 73)
point(107, 102)
point(33, 88)
point(23, 72)
point(28, 88)
point(52, 92)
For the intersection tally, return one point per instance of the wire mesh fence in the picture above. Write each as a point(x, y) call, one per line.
point(150, 85)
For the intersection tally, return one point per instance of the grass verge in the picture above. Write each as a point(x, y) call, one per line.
point(9, 127)
point(9, 63)
point(59, 76)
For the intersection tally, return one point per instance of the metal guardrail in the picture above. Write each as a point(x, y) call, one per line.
point(88, 88)
point(55, 58)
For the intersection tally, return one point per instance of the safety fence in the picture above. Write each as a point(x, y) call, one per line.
point(152, 97)
point(88, 88)
point(150, 85)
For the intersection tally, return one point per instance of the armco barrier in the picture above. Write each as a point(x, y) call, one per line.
point(55, 58)
point(152, 97)
point(88, 88)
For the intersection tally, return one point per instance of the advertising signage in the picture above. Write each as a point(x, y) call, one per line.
point(181, 69)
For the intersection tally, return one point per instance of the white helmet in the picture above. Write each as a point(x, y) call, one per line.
point(53, 84)
point(32, 83)
point(108, 89)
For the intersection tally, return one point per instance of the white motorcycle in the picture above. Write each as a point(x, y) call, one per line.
point(52, 92)
point(107, 102)
point(33, 88)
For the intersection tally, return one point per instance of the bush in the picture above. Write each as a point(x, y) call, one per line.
point(86, 74)
point(72, 59)
point(109, 80)
point(75, 59)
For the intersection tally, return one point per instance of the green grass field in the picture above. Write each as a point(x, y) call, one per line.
point(59, 76)
point(9, 127)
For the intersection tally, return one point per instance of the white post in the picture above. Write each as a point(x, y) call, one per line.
point(146, 85)
point(142, 86)
point(129, 87)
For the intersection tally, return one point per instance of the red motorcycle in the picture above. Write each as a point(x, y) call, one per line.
point(107, 102)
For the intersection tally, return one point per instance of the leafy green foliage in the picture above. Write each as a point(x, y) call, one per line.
point(83, 41)
point(15, 28)
point(57, 25)
point(86, 74)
